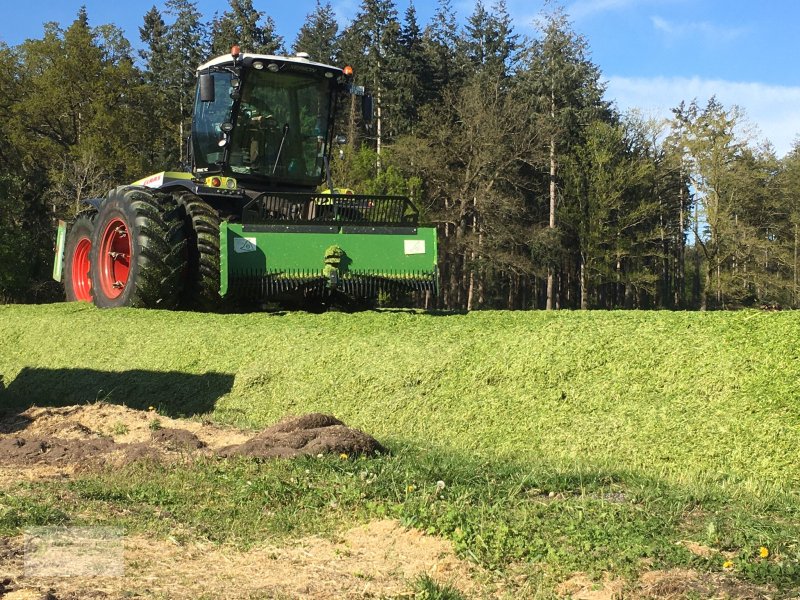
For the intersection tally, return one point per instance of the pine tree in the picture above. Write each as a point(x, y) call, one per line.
point(371, 46)
point(490, 41)
point(318, 35)
point(567, 88)
point(413, 76)
point(441, 42)
point(153, 33)
point(712, 153)
point(242, 24)
point(186, 40)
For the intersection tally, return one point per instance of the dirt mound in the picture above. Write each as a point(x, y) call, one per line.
point(311, 434)
point(177, 439)
point(43, 442)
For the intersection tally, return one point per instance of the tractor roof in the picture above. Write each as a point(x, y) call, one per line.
point(250, 58)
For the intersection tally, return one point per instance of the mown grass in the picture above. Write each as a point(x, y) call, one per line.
point(566, 442)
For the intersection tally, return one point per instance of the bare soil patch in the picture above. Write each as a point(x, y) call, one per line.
point(48, 442)
point(673, 584)
point(380, 559)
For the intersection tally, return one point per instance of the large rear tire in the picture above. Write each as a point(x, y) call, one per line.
point(77, 253)
point(138, 250)
point(201, 227)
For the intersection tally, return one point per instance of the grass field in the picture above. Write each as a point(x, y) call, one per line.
point(565, 442)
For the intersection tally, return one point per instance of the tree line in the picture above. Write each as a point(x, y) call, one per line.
point(544, 194)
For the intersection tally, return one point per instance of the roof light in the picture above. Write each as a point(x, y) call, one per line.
point(236, 51)
point(348, 70)
point(273, 67)
point(258, 65)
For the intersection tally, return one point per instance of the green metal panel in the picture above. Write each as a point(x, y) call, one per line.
point(393, 255)
point(61, 239)
point(223, 258)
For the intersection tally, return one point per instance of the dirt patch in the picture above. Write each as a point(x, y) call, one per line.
point(19, 450)
point(673, 584)
point(380, 559)
point(699, 549)
point(680, 583)
point(47, 442)
point(580, 587)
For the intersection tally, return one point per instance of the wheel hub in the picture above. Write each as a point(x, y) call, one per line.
point(115, 258)
point(81, 282)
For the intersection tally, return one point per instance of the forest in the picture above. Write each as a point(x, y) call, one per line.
point(544, 194)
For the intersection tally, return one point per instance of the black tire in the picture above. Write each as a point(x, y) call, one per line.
point(201, 227)
point(144, 229)
point(76, 276)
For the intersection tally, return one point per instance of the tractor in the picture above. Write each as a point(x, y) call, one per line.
point(246, 220)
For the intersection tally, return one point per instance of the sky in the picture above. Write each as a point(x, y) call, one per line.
point(653, 54)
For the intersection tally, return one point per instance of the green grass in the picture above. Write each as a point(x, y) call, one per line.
point(566, 441)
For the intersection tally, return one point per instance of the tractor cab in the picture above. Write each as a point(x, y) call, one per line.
point(265, 120)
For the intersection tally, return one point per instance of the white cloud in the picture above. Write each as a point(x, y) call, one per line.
point(586, 8)
point(773, 109)
point(345, 11)
point(702, 29)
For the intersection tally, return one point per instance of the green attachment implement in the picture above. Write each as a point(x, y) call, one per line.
point(61, 236)
point(360, 246)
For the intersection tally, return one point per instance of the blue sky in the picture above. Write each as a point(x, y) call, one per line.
point(652, 53)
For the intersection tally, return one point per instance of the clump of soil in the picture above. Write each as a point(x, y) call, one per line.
point(46, 442)
point(311, 434)
point(177, 439)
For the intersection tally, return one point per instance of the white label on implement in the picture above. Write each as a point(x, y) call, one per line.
point(414, 246)
point(242, 245)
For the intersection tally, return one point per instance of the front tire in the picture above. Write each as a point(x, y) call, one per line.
point(138, 250)
point(201, 227)
point(77, 253)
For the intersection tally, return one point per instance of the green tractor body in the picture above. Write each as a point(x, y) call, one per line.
point(245, 220)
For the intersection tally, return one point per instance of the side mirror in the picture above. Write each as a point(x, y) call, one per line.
point(367, 109)
point(207, 87)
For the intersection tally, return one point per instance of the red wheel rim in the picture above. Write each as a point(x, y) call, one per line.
point(81, 283)
point(115, 258)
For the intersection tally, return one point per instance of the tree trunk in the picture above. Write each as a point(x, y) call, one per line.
point(378, 130)
point(352, 137)
point(552, 225)
point(681, 275)
point(584, 284)
point(707, 287)
point(794, 290)
point(180, 127)
point(471, 288)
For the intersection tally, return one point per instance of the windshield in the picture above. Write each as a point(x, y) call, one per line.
point(208, 119)
point(281, 127)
